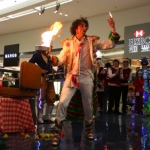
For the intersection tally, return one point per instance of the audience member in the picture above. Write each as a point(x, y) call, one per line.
point(126, 77)
point(114, 87)
point(100, 86)
point(104, 78)
point(139, 83)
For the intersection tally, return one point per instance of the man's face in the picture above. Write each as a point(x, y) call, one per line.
point(144, 65)
point(125, 63)
point(81, 29)
point(115, 64)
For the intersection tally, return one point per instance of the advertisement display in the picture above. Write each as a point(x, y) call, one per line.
point(137, 41)
point(11, 55)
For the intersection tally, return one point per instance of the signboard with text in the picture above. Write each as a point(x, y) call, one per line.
point(137, 41)
point(11, 55)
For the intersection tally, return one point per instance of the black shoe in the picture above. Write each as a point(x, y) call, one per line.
point(90, 136)
point(55, 141)
point(109, 111)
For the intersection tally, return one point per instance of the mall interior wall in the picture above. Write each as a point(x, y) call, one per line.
point(97, 26)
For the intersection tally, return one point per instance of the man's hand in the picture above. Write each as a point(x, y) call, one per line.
point(121, 71)
point(112, 24)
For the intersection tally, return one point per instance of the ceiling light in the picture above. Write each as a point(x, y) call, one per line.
point(23, 13)
point(30, 11)
point(66, 15)
point(65, 1)
point(42, 10)
point(57, 6)
point(113, 53)
point(53, 4)
point(4, 19)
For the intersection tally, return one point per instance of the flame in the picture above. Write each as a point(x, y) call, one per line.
point(48, 35)
point(110, 14)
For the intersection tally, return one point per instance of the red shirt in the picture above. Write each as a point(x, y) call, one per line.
point(103, 76)
point(116, 79)
point(138, 83)
point(126, 74)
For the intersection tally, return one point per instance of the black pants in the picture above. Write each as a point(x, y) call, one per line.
point(124, 92)
point(114, 98)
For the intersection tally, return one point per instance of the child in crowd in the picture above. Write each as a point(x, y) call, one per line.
point(139, 83)
point(131, 96)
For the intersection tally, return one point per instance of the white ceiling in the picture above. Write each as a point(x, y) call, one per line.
point(75, 9)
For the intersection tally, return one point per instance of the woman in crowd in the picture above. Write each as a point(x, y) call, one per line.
point(139, 83)
point(114, 87)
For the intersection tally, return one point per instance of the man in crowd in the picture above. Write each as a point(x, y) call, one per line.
point(126, 78)
point(114, 87)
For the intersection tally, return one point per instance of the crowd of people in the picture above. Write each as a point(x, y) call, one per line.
point(117, 81)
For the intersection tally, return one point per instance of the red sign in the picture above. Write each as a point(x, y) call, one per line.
point(139, 33)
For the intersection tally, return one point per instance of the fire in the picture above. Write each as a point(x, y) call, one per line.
point(110, 14)
point(48, 35)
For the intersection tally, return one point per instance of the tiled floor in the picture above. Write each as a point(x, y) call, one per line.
point(112, 132)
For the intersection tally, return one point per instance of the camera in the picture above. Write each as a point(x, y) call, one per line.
point(100, 85)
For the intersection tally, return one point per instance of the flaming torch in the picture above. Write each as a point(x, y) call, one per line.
point(48, 35)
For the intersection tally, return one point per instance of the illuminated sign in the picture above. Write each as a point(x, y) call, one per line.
point(139, 33)
point(11, 55)
point(137, 41)
point(14, 55)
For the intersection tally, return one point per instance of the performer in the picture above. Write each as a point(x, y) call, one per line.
point(146, 76)
point(47, 91)
point(126, 78)
point(79, 52)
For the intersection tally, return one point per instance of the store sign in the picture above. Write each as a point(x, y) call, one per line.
point(137, 41)
point(11, 55)
point(14, 55)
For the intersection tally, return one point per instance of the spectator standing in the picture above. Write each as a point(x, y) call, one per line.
point(139, 83)
point(126, 77)
point(114, 87)
point(100, 86)
point(105, 78)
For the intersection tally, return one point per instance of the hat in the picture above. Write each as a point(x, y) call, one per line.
point(125, 59)
point(144, 60)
